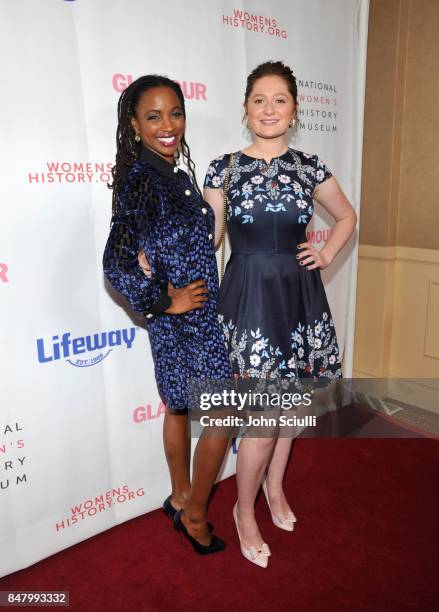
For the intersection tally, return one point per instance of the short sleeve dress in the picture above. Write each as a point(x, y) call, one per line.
point(161, 213)
point(274, 313)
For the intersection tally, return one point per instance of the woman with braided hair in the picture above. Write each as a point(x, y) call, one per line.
point(275, 315)
point(158, 210)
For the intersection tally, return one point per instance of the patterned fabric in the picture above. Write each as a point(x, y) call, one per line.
point(161, 213)
point(275, 315)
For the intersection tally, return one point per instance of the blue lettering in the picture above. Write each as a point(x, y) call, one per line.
point(128, 336)
point(67, 346)
point(97, 345)
point(78, 345)
point(114, 338)
point(40, 348)
point(56, 354)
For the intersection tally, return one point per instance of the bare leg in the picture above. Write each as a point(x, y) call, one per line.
point(208, 457)
point(253, 457)
point(275, 475)
point(177, 445)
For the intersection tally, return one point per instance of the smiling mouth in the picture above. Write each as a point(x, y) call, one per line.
point(269, 121)
point(168, 141)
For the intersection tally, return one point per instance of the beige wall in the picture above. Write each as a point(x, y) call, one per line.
point(397, 323)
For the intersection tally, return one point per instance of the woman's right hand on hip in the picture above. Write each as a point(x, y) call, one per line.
point(187, 298)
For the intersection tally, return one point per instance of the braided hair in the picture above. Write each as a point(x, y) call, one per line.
point(272, 69)
point(127, 149)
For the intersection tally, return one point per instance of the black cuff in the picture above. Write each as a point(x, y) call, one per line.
point(158, 307)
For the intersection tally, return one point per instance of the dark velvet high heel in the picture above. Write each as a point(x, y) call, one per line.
point(170, 511)
point(216, 544)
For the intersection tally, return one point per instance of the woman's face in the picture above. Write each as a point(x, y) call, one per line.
point(270, 107)
point(160, 121)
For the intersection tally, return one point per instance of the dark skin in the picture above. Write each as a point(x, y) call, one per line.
point(160, 122)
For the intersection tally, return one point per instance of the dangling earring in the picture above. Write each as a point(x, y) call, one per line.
point(176, 160)
point(137, 137)
point(292, 123)
point(247, 124)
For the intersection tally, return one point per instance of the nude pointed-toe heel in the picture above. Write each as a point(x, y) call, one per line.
point(258, 556)
point(283, 522)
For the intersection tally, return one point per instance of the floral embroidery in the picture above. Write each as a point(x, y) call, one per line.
point(314, 352)
point(270, 187)
point(261, 345)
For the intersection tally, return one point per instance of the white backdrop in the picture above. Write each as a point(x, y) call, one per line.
point(80, 417)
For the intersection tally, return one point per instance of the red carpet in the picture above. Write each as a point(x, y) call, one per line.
point(366, 539)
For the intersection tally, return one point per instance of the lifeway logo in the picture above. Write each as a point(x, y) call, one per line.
point(261, 24)
point(192, 90)
point(84, 351)
point(4, 273)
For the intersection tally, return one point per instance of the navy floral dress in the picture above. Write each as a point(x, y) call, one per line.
point(160, 212)
point(275, 315)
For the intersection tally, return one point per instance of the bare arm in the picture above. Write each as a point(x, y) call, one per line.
point(330, 195)
point(215, 198)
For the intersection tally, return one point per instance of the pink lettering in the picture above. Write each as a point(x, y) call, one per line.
point(188, 94)
point(3, 273)
point(200, 91)
point(121, 81)
point(145, 413)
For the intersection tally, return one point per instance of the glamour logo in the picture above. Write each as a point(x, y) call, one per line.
point(100, 344)
point(254, 23)
point(147, 413)
point(316, 237)
point(3, 273)
point(192, 90)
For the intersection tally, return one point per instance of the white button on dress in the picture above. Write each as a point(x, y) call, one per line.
point(149, 316)
point(204, 211)
point(210, 236)
point(188, 192)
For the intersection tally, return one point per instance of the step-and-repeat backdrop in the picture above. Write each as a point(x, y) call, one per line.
point(80, 417)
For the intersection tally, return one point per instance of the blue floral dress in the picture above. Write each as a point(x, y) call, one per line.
point(274, 313)
point(160, 212)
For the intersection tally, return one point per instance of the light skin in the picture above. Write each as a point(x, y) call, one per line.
point(160, 122)
point(269, 110)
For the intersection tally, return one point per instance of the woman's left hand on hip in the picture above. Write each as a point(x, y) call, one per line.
point(311, 257)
